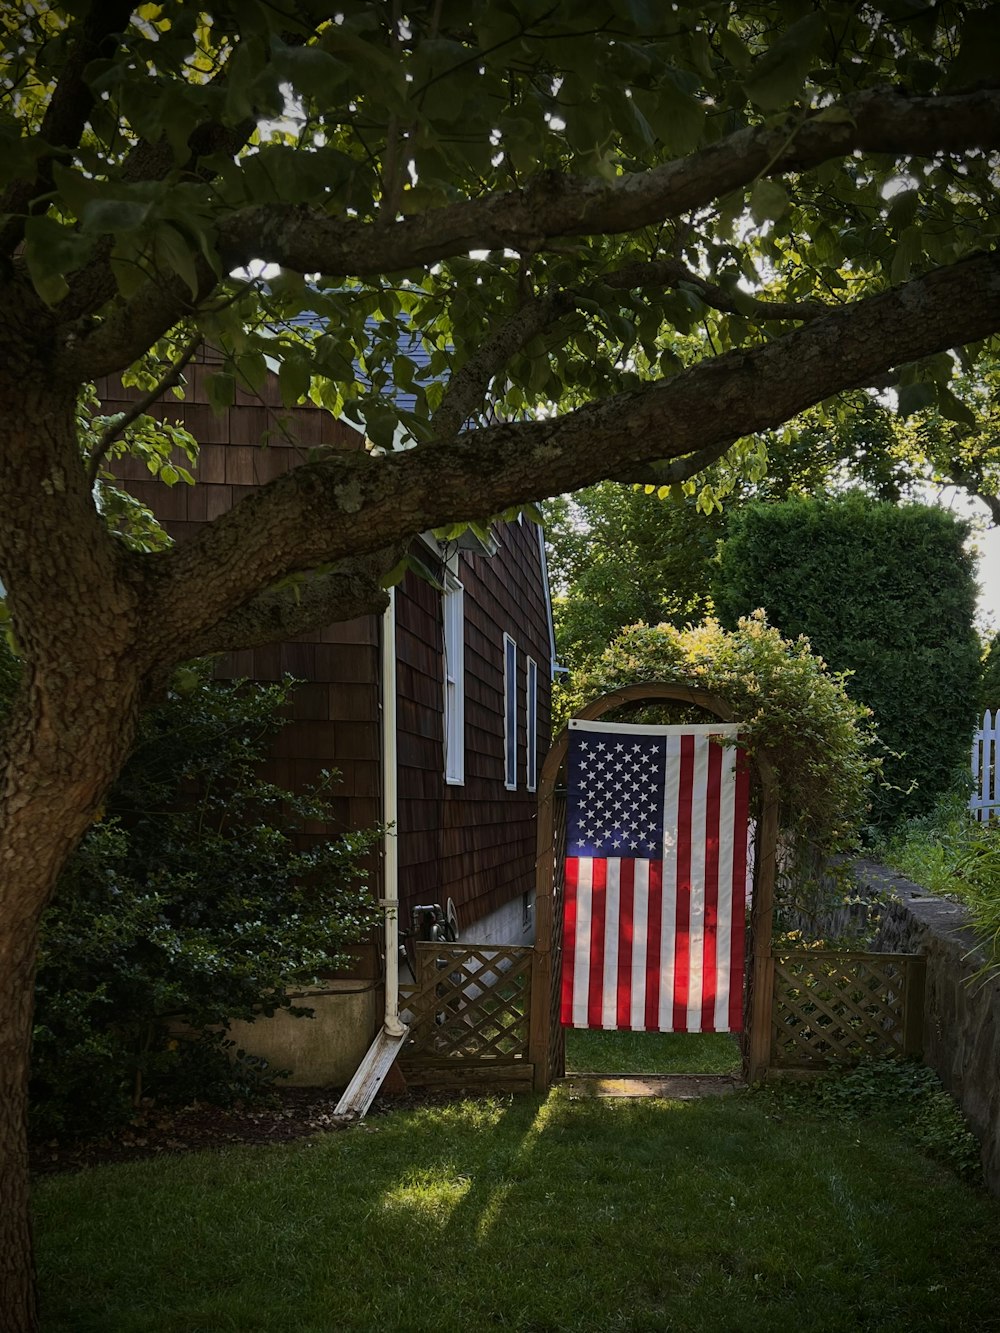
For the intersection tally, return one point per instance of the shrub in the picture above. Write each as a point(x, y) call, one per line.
point(788, 702)
point(906, 1093)
point(951, 854)
point(195, 898)
point(886, 593)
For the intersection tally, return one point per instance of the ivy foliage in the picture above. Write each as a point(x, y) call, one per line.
point(906, 1094)
point(194, 900)
point(887, 594)
point(787, 702)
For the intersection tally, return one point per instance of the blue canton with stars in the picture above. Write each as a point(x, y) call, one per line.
point(615, 794)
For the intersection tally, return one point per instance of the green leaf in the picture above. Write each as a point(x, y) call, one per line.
point(733, 49)
point(293, 380)
point(915, 397)
point(380, 424)
point(103, 215)
point(780, 73)
point(976, 61)
point(51, 251)
point(673, 113)
point(953, 409)
point(908, 252)
point(834, 115)
point(173, 252)
point(768, 201)
point(221, 388)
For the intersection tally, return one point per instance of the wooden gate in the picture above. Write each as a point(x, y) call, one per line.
point(803, 1010)
point(546, 1044)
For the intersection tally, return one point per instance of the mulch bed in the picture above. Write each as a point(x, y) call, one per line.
point(290, 1113)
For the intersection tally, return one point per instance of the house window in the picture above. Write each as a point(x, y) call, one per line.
point(532, 727)
point(453, 613)
point(510, 712)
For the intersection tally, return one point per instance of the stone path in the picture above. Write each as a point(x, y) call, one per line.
point(676, 1087)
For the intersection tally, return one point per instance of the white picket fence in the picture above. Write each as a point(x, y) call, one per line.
point(985, 799)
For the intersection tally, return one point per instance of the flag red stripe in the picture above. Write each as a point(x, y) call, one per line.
point(713, 803)
point(653, 921)
point(741, 816)
point(626, 927)
point(682, 940)
point(595, 992)
point(569, 937)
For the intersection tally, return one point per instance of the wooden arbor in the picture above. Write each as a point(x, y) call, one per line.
point(546, 1035)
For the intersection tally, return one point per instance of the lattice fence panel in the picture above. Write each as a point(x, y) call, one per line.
point(470, 1003)
point(837, 1007)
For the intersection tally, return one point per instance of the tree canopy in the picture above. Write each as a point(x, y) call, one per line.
point(600, 240)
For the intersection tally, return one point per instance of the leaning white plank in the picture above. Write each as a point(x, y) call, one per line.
point(360, 1092)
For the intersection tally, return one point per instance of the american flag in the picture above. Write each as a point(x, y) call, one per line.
point(655, 878)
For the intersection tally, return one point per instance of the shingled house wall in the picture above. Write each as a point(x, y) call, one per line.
point(473, 843)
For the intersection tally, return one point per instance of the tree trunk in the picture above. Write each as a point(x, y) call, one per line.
point(52, 794)
point(78, 632)
point(18, 1312)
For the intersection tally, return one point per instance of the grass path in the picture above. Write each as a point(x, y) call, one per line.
point(532, 1214)
point(590, 1051)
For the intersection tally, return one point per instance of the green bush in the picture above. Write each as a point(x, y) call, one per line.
point(989, 684)
point(905, 1092)
point(886, 593)
point(788, 702)
point(949, 853)
point(195, 900)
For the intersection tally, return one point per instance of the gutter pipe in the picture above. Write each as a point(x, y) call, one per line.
point(390, 811)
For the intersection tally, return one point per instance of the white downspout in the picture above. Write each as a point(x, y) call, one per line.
point(390, 810)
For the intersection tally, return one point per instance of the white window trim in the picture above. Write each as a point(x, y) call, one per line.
point(509, 716)
point(453, 654)
point(531, 726)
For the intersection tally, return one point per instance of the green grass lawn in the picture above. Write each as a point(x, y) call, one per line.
point(593, 1052)
point(529, 1214)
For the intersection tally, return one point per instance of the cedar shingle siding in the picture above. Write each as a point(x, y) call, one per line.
point(474, 843)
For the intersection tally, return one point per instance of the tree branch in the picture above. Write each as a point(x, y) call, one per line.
point(663, 473)
point(354, 588)
point(672, 273)
point(349, 504)
point(136, 409)
point(880, 120)
point(468, 387)
point(307, 239)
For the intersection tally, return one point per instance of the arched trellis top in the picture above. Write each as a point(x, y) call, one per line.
point(545, 1040)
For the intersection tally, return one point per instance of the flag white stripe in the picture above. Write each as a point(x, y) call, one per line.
point(696, 929)
point(727, 847)
point(581, 959)
point(668, 919)
point(640, 935)
point(612, 914)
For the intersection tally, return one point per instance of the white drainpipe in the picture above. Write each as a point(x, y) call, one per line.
point(390, 861)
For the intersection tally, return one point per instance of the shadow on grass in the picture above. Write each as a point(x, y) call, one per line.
point(529, 1214)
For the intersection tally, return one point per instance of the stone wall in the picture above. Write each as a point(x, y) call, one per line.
point(961, 1015)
